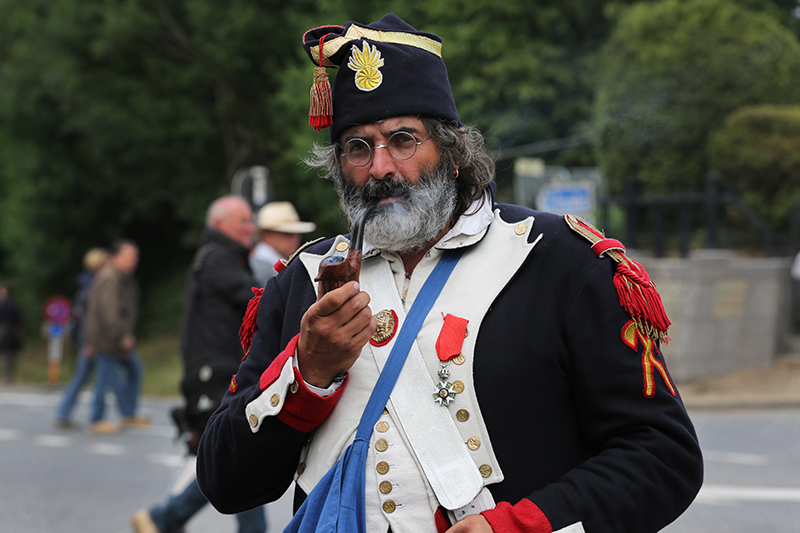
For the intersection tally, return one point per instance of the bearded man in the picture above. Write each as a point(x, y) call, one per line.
point(533, 397)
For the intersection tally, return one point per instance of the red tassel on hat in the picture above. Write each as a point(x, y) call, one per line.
point(320, 114)
point(248, 326)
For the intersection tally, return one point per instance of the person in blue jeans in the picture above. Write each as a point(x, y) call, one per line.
point(112, 311)
point(170, 516)
point(125, 388)
point(93, 261)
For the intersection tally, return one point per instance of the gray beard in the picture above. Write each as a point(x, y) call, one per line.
point(407, 225)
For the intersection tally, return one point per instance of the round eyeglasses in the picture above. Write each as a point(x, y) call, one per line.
point(401, 145)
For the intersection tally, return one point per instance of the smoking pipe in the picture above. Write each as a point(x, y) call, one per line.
point(335, 270)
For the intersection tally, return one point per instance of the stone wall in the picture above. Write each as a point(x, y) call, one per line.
point(727, 312)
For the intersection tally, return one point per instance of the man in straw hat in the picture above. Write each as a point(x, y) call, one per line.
point(534, 396)
point(279, 230)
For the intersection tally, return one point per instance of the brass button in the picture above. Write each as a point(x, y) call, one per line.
point(466, 333)
point(382, 427)
point(462, 415)
point(301, 468)
point(253, 420)
point(385, 411)
point(382, 467)
point(485, 470)
point(381, 445)
point(389, 507)
point(458, 386)
point(474, 443)
point(385, 487)
point(459, 359)
point(520, 229)
point(274, 400)
point(342, 246)
point(293, 387)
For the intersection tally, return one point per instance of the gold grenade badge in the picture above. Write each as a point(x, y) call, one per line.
point(387, 325)
point(366, 63)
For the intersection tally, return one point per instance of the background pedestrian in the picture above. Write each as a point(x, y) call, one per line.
point(279, 230)
point(218, 291)
point(112, 311)
point(93, 261)
point(11, 333)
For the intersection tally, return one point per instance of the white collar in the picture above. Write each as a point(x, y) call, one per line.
point(470, 226)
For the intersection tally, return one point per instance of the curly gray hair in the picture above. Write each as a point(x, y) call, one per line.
point(460, 145)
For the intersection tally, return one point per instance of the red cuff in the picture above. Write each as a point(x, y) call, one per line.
point(303, 410)
point(522, 517)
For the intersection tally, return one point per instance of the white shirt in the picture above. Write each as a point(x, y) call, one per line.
point(262, 260)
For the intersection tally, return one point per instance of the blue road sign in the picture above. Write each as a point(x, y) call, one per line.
point(575, 197)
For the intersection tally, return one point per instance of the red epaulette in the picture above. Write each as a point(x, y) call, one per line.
point(248, 326)
point(637, 292)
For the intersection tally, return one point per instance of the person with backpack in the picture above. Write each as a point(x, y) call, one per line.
point(219, 288)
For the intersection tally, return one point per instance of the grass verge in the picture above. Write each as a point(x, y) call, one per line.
point(160, 356)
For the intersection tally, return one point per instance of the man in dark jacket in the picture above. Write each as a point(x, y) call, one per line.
point(112, 314)
point(10, 332)
point(219, 288)
point(534, 396)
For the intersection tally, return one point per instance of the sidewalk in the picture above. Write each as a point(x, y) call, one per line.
point(775, 387)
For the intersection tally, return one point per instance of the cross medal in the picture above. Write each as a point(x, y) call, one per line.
point(445, 392)
point(448, 346)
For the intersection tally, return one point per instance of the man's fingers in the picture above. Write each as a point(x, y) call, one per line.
point(349, 331)
point(336, 299)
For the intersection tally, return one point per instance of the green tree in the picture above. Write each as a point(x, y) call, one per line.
point(528, 71)
point(757, 153)
point(125, 118)
point(671, 72)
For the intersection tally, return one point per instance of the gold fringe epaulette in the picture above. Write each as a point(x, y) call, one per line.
point(637, 292)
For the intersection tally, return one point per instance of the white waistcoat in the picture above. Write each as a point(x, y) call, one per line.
point(423, 454)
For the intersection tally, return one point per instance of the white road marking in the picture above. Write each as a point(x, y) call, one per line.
point(749, 459)
point(105, 448)
point(9, 434)
point(167, 459)
point(720, 494)
point(52, 441)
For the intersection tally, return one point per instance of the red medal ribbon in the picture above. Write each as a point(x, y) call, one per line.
point(451, 338)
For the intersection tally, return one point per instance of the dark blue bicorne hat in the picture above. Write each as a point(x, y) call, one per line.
point(386, 69)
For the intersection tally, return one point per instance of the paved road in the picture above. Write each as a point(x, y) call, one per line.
point(63, 482)
point(752, 477)
point(56, 481)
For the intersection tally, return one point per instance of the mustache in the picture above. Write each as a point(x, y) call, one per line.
point(378, 189)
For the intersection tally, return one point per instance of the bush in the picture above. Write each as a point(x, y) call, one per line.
point(672, 71)
point(757, 153)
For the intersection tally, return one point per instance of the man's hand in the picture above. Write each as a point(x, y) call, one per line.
point(474, 523)
point(332, 333)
